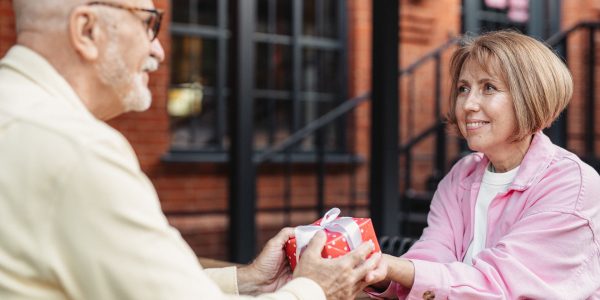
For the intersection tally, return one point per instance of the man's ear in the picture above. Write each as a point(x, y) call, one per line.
point(84, 32)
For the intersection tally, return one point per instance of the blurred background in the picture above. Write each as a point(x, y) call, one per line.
point(263, 116)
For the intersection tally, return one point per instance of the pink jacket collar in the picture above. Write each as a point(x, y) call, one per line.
point(538, 157)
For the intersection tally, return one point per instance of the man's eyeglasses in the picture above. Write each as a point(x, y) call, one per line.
point(152, 22)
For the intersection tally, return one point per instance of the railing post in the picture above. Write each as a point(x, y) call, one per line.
point(537, 25)
point(471, 12)
point(591, 94)
point(440, 138)
point(558, 131)
point(242, 179)
point(544, 21)
point(384, 174)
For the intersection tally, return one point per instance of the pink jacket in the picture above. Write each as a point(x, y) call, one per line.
point(543, 239)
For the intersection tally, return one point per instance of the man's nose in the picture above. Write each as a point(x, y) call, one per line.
point(157, 51)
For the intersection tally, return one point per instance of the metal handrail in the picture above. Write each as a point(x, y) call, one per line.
point(311, 127)
point(421, 136)
point(343, 108)
point(559, 36)
point(437, 51)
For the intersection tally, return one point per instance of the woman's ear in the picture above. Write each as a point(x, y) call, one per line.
point(84, 32)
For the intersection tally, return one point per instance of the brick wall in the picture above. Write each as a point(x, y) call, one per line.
point(7, 26)
point(574, 12)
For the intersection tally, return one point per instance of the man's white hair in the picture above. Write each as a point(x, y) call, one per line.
point(43, 15)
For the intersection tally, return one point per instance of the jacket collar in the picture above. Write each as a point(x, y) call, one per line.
point(37, 69)
point(536, 160)
point(538, 157)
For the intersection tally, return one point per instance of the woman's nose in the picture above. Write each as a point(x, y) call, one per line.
point(472, 102)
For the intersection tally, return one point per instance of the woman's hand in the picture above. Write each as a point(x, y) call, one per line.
point(376, 279)
point(390, 269)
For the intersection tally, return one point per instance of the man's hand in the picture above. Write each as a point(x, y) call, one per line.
point(342, 277)
point(270, 270)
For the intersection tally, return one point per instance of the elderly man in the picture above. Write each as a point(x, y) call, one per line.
point(79, 218)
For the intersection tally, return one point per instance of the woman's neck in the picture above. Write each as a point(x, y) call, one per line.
point(508, 159)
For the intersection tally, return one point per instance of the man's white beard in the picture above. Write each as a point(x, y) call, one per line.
point(133, 93)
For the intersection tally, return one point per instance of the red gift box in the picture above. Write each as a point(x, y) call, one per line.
point(337, 244)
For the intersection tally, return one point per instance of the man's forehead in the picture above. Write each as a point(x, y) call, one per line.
point(141, 3)
point(135, 3)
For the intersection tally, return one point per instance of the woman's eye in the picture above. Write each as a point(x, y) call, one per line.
point(463, 89)
point(490, 88)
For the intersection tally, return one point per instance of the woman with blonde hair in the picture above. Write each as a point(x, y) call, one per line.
point(519, 217)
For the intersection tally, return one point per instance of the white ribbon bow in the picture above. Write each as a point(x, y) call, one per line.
point(345, 225)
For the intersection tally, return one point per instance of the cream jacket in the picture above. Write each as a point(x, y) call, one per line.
point(79, 219)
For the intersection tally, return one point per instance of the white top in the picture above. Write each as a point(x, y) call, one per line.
point(80, 220)
point(492, 184)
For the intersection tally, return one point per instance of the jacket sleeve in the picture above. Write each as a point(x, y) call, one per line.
point(547, 255)
point(110, 240)
point(437, 243)
point(299, 288)
point(550, 252)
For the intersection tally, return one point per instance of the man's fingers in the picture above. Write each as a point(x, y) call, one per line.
point(286, 232)
point(359, 255)
point(316, 244)
point(359, 287)
point(283, 236)
point(368, 266)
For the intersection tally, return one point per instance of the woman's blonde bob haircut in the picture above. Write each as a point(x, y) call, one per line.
point(539, 83)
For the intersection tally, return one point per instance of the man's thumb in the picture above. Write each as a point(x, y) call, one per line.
point(316, 244)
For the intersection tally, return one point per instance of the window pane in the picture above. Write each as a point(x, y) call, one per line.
point(196, 129)
point(321, 18)
point(262, 16)
point(313, 108)
point(191, 103)
point(181, 11)
point(331, 140)
point(273, 67)
point(274, 16)
point(193, 60)
point(201, 12)
point(309, 20)
point(206, 12)
point(320, 71)
point(271, 121)
point(284, 17)
point(330, 18)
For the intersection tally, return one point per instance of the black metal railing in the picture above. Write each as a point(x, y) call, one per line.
point(585, 36)
point(320, 159)
point(415, 195)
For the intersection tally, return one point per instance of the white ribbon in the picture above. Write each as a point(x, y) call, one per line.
point(345, 225)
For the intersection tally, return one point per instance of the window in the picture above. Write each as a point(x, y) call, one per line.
point(300, 72)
